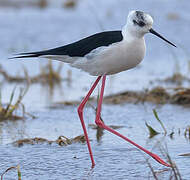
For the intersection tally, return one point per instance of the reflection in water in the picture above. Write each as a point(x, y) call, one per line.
point(172, 172)
point(53, 81)
point(99, 131)
point(187, 133)
point(11, 130)
point(50, 90)
point(99, 134)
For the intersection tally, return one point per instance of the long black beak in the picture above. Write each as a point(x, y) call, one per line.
point(157, 34)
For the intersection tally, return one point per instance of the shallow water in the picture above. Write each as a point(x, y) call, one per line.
point(114, 157)
point(21, 30)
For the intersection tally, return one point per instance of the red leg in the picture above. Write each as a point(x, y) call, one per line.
point(80, 113)
point(102, 125)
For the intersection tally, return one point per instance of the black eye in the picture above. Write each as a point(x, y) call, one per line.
point(141, 23)
point(135, 22)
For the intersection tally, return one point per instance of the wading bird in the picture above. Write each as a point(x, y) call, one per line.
point(104, 54)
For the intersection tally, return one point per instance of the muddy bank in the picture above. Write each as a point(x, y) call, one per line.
point(61, 140)
point(157, 95)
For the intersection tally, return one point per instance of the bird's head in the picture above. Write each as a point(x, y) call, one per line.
point(139, 23)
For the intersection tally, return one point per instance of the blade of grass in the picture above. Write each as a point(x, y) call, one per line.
point(15, 106)
point(10, 101)
point(152, 132)
point(10, 168)
point(18, 172)
point(158, 119)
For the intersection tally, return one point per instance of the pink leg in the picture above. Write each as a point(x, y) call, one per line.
point(80, 113)
point(102, 125)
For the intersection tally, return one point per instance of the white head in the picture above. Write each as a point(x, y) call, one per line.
point(140, 23)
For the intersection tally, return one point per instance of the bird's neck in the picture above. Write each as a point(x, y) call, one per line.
point(130, 35)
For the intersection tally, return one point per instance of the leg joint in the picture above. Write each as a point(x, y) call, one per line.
point(80, 109)
point(99, 123)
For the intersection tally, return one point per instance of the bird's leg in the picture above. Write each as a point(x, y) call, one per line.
point(102, 125)
point(80, 113)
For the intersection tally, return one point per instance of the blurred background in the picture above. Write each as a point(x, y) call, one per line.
point(41, 24)
point(50, 91)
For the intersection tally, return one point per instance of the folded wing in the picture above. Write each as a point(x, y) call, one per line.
point(79, 48)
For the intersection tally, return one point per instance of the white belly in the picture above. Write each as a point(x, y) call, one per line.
point(120, 58)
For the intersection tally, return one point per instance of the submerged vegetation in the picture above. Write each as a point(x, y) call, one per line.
point(61, 140)
point(10, 168)
point(153, 132)
point(171, 173)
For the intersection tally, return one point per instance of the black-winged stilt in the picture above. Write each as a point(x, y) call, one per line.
point(104, 54)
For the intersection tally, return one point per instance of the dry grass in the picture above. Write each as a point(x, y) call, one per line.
point(177, 78)
point(158, 95)
point(173, 16)
point(172, 173)
point(70, 3)
point(48, 75)
point(9, 111)
point(61, 140)
point(23, 3)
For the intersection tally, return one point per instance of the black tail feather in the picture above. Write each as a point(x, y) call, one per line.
point(25, 55)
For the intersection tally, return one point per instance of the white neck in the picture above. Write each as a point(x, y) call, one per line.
point(131, 35)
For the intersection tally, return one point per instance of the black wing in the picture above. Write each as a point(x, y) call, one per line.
point(81, 47)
